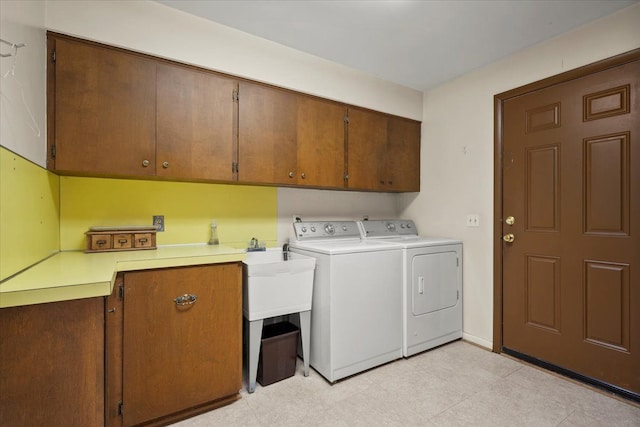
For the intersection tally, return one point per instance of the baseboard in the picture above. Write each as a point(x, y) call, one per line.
point(477, 340)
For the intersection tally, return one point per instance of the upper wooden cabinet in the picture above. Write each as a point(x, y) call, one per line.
point(289, 139)
point(117, 113)
point(403, 158)
point(195, 124)
point(104, 110)
point(383, 152)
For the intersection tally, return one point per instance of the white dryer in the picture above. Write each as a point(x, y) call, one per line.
point(432, 284)
point(356, 308)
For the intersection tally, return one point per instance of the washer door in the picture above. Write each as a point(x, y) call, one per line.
point(434, 282)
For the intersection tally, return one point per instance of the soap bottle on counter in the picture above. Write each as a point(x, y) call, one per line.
point(213, 240)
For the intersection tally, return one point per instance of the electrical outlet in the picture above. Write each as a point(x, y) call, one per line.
point(158, 222)
point(473, 220)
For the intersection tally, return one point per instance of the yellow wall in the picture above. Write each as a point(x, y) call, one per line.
point(241, 212)
point(29, 213)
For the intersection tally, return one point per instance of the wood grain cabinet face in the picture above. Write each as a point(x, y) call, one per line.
point(52, 359)
point(179, 332)
point(288, 138)
point(383, 152)
point(104, 102)
point(195, 120)
point(403, 158)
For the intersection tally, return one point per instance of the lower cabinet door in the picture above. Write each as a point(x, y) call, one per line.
point(181, 340)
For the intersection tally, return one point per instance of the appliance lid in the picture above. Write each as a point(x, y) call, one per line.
point(344, 246)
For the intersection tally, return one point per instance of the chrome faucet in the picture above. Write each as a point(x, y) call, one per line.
point(285, 252)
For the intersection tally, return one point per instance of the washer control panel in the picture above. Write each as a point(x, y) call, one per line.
point(309, 230)
point(389, 228)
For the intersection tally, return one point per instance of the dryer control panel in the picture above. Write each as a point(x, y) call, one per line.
point(311, 230)
point(389, 228)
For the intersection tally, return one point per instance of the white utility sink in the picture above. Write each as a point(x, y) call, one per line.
point(274, 287)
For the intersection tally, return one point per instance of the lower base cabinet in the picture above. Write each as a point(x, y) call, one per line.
point(52, 364)
point(173, 343)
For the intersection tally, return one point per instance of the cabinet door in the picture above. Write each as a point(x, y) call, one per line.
point(321, 143)
point(175, 356)
point(104, 104)
point(267, 135)
point(195, 122)
point(403, 159)
point(367, 150)
point(52, 359)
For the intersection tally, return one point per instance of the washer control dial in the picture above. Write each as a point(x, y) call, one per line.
point(329, 229)
point(391, 226)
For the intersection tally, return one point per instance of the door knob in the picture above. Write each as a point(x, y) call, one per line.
point(509, 237)
point(510, 220)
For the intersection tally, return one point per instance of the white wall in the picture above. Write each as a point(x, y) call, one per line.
point(457, 149)
point(22, 91)
point(312, 205)
point(153, 28)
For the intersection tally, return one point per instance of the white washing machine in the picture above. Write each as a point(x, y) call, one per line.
point(432, 278)
point(356, 312)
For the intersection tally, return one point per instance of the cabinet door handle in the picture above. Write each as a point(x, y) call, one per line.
point(290, 174)
point(145, 163)
point(165, 164)
point(186, 299)
point(303, 175)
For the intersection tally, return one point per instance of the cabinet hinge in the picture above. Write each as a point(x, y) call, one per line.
point(121, 292)
point(53, 56)
point(53, 151)
point(346, 175)
point(234, 167)
point(120, 407)
point(346, 119)
point(236, 96)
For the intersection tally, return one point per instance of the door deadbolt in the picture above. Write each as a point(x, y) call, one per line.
point(510, 220)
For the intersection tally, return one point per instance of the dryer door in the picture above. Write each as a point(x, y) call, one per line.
point(434, 282)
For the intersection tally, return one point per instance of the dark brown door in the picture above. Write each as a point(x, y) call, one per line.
point(176, 356)
point(571, 182)
point(196, 119)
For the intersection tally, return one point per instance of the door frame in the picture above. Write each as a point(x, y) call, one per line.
point(498, 102)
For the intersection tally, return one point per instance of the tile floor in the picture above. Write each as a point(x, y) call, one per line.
point(458, 384)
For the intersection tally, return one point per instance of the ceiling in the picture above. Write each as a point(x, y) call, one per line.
point(418, 44)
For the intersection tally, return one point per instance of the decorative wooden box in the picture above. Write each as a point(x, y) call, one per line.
point(123, 238)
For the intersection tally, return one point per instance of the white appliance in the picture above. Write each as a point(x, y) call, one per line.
point(356, 313)
point(432, 283)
